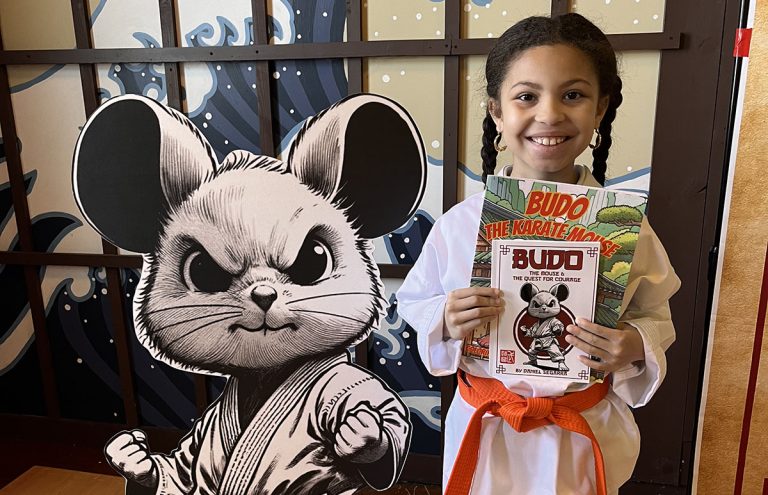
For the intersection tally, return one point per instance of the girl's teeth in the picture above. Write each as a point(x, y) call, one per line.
point(548, 141)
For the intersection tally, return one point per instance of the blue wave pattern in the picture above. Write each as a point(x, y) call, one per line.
point(228, 117)
point(302, 88)
point(138, 78)
point(393, 355)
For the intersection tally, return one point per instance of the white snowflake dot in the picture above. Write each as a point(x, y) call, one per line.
point(438, 33)
point(385, 78)
point(399, 363)
point(636, 21)
point(504, 12)
point(476, 16)
point(434, 9)
point(382, 361)
point(208, 116)
point(298, 36)
point(655, 17)
point(490, 35)
point(153, 79)
point(192, 37)
point(118, 68)
point(143, 74)
point(435, 144)
point(467, 7)
point(488, 5)
point(276, 75)
point(229, 86)
point(607, 2)
point(325, 14)
point(127, 294)
point(152, 366)
point(629, 169)
point(205, 125)
point(394, 17)
point(402, 72)
point(104, 291)
point(418, 16)
point(285, 68)
point(376, 33)
point(406, 335)
point(111, 341)
point(291, 110)
point(130, 280)
point(85, 320)
point(67, 307)
point(79, 360)
point(407, 240)
point(254, 85)
point(298, 12)
point(218, 67)
point(402, 256)
point(482, 104)
point(114, 414)
point(407, 347)
point(431, 386)
point(298, 72)
point(250, 68)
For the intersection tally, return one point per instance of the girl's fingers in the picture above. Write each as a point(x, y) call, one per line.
point(587, 347)
point(464, 318)
point(475, 291)
point(476, 301)
point(472, 324)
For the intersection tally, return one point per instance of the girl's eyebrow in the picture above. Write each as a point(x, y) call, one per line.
point(533, 85)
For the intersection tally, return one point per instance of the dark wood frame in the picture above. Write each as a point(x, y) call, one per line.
point(704, 106)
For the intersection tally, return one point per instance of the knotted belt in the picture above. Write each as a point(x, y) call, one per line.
point(488, 395)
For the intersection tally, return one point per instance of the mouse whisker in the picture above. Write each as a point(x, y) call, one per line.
point(186, 334)
point(330, 314)
point(329, 295)
point(200, 317)
point(185, 306)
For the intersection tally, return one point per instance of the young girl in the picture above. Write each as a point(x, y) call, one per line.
point(552, 84)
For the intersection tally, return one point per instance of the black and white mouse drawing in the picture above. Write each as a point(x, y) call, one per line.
point(262, 271)
point(545, 306)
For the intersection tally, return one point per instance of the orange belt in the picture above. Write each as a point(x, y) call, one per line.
point(523, 414)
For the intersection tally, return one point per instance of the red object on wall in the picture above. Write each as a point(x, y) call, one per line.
point(743, 40)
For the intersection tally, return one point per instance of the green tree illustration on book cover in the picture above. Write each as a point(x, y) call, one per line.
point(541, 210)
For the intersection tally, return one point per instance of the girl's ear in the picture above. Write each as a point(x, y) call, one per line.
point(602, 107)
point(494, 110)
point(135, 161)
point(366, 155)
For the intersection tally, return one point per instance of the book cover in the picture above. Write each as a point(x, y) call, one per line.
point(546, 285)
point(542, 210)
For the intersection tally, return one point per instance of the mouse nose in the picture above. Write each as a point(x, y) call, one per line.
point(264, 296)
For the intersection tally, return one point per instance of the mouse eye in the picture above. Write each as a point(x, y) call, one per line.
point(552, 303)
point(202, 274)
point(313, 263)
point(535, 304)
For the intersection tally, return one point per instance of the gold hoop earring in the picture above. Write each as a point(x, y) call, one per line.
point(598, 140)
point(497, 142)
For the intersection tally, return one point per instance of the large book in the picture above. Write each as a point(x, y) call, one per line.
point(546, 285)
point(542, 210)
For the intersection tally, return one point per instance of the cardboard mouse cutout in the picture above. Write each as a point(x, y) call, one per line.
point(262, 271)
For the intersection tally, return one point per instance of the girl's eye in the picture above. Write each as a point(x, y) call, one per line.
point(202, 274)
point(525, 97)
point(572, 95)
point(313, 263)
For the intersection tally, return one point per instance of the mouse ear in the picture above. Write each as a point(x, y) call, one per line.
point(527, 291)
point(135, 160)
point(560, 291)
point(365, 154)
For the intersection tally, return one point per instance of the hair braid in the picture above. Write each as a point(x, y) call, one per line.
point(600, 154)
point(488, 151)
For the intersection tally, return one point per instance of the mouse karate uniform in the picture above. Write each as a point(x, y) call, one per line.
point(547, 460)
point(288, 447)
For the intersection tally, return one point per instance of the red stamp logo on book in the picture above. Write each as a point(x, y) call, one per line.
point(507, 356)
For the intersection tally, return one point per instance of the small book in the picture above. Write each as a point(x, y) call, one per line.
point(546, 286)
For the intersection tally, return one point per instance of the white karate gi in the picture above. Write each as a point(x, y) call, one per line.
point(547, 460)
point(288, 447)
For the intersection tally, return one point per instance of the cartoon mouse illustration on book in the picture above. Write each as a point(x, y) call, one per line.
point(545, 306)
point(259, 270)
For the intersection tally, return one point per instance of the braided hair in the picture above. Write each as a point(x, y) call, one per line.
point(568, 29)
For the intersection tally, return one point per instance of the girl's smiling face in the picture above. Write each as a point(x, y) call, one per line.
point(549, 105)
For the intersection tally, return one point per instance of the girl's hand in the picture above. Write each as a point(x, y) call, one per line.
point(616, 348)
point(468, 308)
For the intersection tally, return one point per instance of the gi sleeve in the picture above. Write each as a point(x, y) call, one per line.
point(421, 302)
point(652, 282)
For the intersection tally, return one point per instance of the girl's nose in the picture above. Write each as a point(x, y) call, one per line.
point(549, 111)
